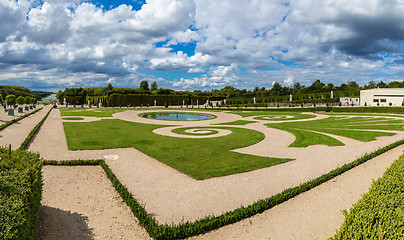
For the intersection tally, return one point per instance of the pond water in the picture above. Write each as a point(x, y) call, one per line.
point(176, 116)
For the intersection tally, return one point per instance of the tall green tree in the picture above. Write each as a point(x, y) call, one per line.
point(11, 100)
point(59, 96)
point(20, 100)
point(153, 86)
point(1, 99)
point(276, 87)
point(144, 85)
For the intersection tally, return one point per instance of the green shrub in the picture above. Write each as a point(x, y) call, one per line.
point(20, 193)
point(379, 214)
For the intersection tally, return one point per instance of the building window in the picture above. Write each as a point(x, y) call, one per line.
point(382, 100)
point(375, 100)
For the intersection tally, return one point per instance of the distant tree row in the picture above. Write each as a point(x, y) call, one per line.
point(278, 93)
point(11, 100)
point(17, 91)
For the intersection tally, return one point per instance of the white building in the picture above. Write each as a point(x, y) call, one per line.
point(382, 97)
point(349, 101)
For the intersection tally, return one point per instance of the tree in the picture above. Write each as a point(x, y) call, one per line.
point(1, 99)
point(144, 85)
point(59, 96)
point(297, 86)
point(381, 84)
point(317, 86)
point(27, 100)
point(20, 100)
point(10, 100)
point(352, 86)
point(107, 90)
point(277, 87)
point(153, 86)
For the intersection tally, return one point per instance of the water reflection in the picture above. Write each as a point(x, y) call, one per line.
point(176, 116)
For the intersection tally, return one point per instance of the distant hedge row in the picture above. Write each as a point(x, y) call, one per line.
point(20, 193)
point(379, 214)
point(398, 110)
point(115, 100)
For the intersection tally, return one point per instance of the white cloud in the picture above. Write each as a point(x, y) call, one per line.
point(242, 43)
point(288, 81)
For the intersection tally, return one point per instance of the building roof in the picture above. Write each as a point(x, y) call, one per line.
point(384, 90)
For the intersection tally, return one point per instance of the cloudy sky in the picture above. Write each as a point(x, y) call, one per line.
point(199, 44)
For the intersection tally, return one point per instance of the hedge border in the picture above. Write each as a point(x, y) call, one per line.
point(18, 119)
point(378, 214)
point(356, 109)
point(22, 223)
point(209, 223)
point(33, 132)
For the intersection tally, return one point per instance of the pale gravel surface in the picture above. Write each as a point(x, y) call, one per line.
point(16, 133)
point(80, 203)
point(173, 196)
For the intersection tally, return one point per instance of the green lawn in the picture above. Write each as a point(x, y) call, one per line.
point(199, 158)
point(275, 116)
point(238, 122)
point(90, 112)
point(351, 127)
point(199, 132)
point(73, 118)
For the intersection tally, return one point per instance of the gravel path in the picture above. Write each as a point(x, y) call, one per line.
point(80, 203)
point(173, 196)
point(16, 133)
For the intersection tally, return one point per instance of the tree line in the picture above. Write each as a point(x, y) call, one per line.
point(316, 92)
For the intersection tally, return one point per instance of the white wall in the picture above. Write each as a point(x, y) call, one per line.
point(383, 96)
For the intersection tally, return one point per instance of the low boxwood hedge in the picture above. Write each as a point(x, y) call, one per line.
point(20, 193)
point(379, 214)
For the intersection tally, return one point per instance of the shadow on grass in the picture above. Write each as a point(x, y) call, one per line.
point(54, 223)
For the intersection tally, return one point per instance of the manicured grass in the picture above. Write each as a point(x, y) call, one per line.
point(90, 112)
point(43, 102)
point(198, 132)
point(199, 158)
point(307, 138)
point(73, 118)
point(365, 114)
point(350, 127)
point(238, 122)
point(275, 116)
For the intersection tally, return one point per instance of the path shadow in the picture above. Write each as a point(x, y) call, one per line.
point(54, 223)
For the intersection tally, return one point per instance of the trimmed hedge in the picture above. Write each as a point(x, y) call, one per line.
point(328, 109)
point(33, 131)
point(17, 119)
point(72, 162)
point(379, 214)
point(188, 229)
point(20, 193)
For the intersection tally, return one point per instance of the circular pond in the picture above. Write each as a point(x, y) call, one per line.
point(176, 116)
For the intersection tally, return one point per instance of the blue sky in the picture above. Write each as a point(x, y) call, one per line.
point(199, 44)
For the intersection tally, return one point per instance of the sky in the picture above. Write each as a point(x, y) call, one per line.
point(199, 44)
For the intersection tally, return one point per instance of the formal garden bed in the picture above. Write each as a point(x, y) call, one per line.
point(210, 158)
